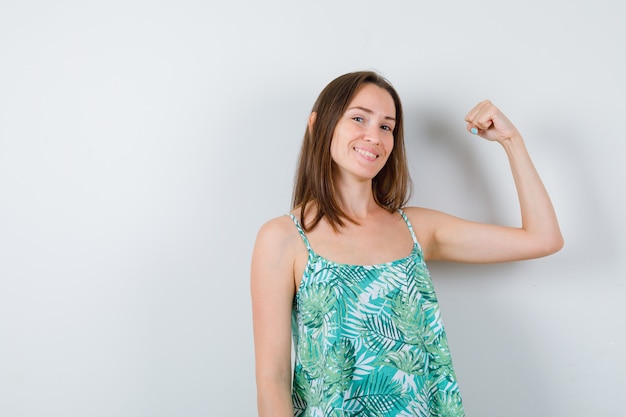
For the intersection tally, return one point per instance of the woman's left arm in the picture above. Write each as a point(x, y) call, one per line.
point(455, 239)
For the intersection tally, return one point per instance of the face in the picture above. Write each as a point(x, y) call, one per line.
point(363, 138)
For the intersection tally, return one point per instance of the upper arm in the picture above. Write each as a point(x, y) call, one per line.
point(272, 290)
point(448, 238)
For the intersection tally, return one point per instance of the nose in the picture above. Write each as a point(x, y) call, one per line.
point(373, 135)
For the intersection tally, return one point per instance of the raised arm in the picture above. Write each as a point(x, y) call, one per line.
point(272, 290)
point(453, 239)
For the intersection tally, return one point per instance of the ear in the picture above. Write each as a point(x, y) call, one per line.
point(312, 118)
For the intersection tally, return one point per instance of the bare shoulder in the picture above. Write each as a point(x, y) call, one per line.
point(280, 228)
point(425, 223)
point(420, 219)
point(423, 218)
point(425, 215)
point(277, 245)
point(278, 233)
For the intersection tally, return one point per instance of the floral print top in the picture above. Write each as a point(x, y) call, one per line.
point(369, 340)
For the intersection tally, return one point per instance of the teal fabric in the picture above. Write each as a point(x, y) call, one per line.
point(369, 340)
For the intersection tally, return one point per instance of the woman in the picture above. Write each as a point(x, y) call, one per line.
point(345, 272)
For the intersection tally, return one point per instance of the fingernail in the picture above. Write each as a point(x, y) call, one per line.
point(474, 131)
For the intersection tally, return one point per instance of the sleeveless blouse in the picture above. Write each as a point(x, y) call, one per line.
point(369, 340)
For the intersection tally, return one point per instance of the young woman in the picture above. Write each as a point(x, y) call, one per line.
point(344, 273)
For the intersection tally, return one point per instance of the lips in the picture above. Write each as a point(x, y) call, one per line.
point(367, 154)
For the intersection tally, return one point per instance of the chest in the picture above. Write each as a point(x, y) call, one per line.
point(364, 247)
point(365, 244)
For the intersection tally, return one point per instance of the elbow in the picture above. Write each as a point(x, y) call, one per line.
point(552, 244)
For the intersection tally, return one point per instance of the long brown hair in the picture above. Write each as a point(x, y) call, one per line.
point(314, 180)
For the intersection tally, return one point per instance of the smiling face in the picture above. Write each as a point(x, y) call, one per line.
point(363, 137)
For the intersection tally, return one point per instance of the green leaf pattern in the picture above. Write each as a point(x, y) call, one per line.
point(369, 341)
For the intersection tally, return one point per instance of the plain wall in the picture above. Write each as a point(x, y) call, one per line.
point(142, 145)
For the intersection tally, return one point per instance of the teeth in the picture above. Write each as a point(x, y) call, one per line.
point(366, 153)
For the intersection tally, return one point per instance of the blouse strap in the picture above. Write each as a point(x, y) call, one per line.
point(301, 231)
point(409, 225)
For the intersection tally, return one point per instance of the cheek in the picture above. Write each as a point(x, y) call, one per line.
point(390, 144)
point(338, 141)
point(335, 150)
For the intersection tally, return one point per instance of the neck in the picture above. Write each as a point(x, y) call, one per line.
point(357, 200)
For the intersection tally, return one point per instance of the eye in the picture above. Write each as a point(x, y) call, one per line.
point(358, 119)
point(387, 128)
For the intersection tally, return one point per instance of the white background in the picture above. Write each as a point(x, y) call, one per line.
point(143, 143)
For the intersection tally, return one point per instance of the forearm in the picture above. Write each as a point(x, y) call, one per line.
point(274, 398)
point(538, 216)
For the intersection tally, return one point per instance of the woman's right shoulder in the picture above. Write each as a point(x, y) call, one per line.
point(277, 247)
point(279, 232)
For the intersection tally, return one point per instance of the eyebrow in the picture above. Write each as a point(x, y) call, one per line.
point(369, 111)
